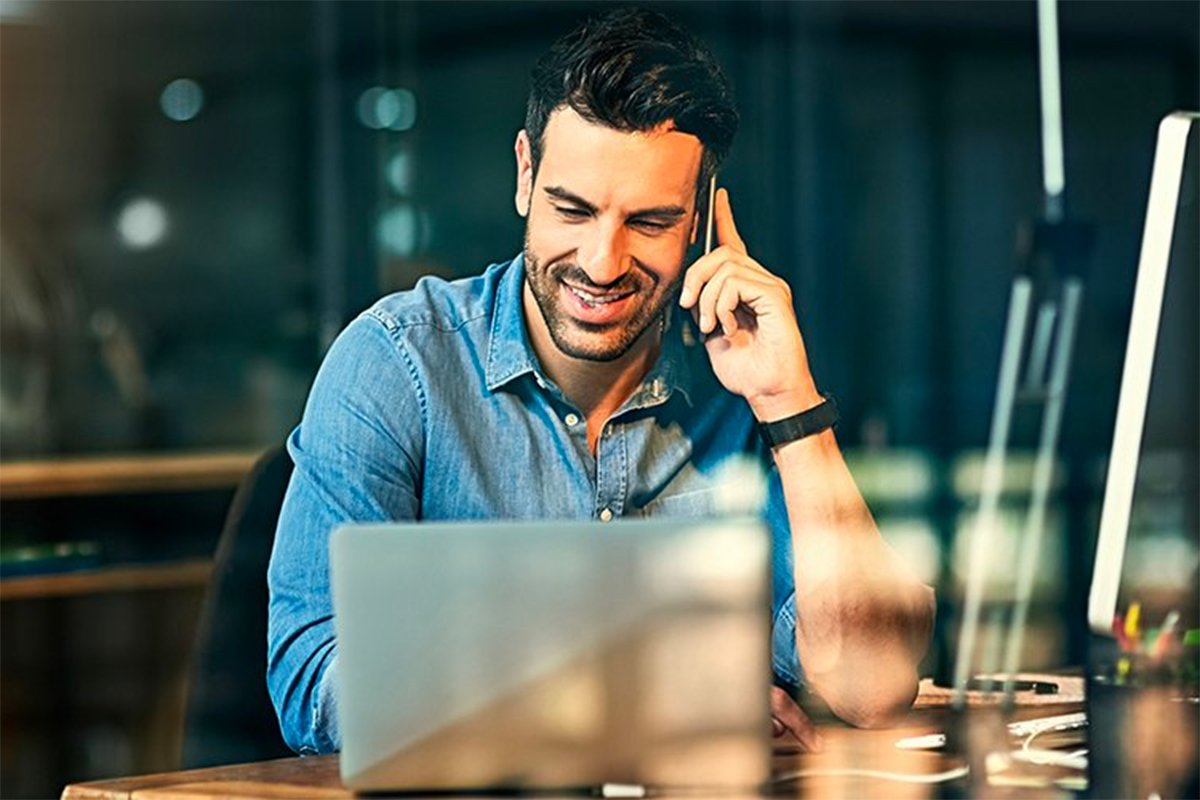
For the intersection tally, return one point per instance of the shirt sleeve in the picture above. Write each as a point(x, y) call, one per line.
point(358, 452)
point(785, 661)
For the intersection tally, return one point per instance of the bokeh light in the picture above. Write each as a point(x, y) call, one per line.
point(182, 99)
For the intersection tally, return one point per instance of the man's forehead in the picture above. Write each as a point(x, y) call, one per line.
point(659, 165)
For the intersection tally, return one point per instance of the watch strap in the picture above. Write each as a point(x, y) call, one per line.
point(820, 417)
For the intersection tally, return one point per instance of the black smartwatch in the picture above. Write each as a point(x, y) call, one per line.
point(819, 418)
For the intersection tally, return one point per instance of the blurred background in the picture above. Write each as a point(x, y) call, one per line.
point(196, 197)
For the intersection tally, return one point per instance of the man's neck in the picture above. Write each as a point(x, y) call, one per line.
point(597, 388)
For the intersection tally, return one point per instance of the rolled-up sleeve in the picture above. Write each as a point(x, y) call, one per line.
point(785, 661)
point(358, 452)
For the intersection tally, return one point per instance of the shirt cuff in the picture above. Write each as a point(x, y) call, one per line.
point(785, 661)
point(326, 732)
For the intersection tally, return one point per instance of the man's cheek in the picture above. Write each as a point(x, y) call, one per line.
point(667, 264)
point(552, 244)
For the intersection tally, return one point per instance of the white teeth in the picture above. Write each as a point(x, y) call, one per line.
point(592, 300)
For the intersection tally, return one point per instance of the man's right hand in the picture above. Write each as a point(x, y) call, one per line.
point(791, 726)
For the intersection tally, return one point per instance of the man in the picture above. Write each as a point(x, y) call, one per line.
point(594, 376)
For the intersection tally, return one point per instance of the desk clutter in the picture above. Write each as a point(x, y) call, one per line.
point(1031, 689)
point(1160, 656)
point(1039, 753)
point(1143, 700)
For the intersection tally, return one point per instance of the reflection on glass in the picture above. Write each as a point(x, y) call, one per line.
point(1018, 474)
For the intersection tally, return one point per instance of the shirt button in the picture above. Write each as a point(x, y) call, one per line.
point(606, 515)
point(572, 419)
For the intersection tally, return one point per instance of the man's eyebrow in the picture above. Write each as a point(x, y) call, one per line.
point(669, 212)
point(570, 197)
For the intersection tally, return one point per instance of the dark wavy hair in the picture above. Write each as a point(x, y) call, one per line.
point(633, 70)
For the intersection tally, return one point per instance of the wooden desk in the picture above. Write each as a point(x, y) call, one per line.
point(290, 778)
point(825, 775)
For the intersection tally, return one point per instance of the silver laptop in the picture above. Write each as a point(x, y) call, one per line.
point(491, 655)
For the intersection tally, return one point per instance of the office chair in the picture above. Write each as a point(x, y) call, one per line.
point(229, 717)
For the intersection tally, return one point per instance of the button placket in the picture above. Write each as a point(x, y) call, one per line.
point(610, 478)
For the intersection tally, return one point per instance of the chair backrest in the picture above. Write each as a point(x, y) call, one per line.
point(229, 716)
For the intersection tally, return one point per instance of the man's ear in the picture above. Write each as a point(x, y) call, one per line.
point(524, 173)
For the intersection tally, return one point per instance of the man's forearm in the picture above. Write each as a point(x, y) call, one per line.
point(863, 619)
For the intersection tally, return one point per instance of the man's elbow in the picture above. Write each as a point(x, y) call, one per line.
point(876, 682)
point(878, 706)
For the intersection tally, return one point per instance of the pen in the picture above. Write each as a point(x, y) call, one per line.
point(1123, 641)
point(1037, 687)
point(1131, 622)
point(1165, 633)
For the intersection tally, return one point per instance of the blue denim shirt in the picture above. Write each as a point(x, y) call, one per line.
point(431, 405)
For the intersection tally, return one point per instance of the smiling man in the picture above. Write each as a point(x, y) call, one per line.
point(599, 375)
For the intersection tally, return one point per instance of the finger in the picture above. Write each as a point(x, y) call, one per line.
point(728, 299)
point(737, 290)
point(743, 288)
point(701, 271)
point(727, 232)
point(706, 305)
point(784, 709)
point(717, 285)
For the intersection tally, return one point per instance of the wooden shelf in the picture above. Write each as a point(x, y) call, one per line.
point(124, 474)
point(138, 577)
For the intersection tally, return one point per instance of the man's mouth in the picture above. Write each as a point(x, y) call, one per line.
point(595, 299)
point(597, 307)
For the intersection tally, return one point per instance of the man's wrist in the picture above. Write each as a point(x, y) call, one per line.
point(774, 407)
point(800, 426)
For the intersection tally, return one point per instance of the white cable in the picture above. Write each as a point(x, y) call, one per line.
point(1058, 722)
point(1051, 758)
point(879, 774)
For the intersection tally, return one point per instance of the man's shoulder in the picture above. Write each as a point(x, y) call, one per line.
point(438, 305)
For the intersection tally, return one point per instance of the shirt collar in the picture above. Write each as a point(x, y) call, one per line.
point(510, 353)
point(672, 371)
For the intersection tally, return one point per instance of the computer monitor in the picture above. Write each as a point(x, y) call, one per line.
point(1141, 349)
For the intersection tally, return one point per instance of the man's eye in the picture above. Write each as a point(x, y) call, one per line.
point(651, 225)
point(571, 213)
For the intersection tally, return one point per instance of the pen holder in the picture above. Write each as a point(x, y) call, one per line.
point(1142, 725)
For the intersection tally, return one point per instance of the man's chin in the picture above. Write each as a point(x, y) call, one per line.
point(576, 346)
point(592, 342)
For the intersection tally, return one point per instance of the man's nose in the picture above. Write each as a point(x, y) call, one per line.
point(604, 255)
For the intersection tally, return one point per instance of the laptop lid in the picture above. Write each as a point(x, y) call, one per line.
point(552, 654)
